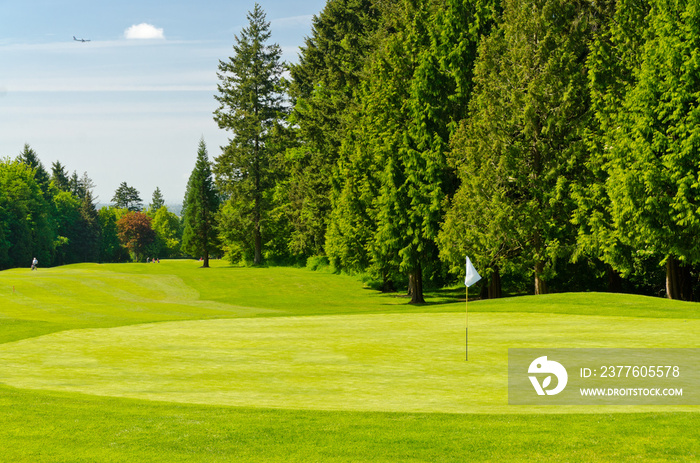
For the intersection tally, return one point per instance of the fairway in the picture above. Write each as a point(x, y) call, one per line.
point(280, 345)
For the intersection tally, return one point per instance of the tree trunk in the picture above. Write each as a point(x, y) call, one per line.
point(257, 236)
point(678, 280)
point(205, 257)
point(483, 289)
point(258, 243)
point(494, 290)
point(540, 285)
point(387, 284)
point(415, 279)
point(491, 288)
point(614, 280)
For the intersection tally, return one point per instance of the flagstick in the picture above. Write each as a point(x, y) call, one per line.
point(466, 311)
point(470, 277)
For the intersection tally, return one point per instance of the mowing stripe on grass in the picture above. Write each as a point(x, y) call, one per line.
point(50, 427)
point(382, 362)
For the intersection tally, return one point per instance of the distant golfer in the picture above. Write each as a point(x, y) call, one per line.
point(34, 263)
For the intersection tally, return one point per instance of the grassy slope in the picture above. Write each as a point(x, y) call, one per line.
point(51, 426)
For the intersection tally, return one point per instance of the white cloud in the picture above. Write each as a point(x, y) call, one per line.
point(144, 31)
point(293, 21)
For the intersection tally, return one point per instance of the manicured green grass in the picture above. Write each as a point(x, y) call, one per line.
point(38, 427)
point(378, 362)
point(284, 364)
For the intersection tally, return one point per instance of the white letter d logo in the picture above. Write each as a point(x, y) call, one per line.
point(542, 365)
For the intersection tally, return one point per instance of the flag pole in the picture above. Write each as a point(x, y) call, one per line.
point(470, 277)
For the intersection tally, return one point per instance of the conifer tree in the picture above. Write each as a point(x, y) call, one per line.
point(251, 108)
point(523, 145)
point(157, 201)
point(200, 206)
point(125, 197)
point(29, 157)
point(88, 231)
point(653, 162)
point(613, 62)
point(393, 171)
point(324, 87)
point(59, 176)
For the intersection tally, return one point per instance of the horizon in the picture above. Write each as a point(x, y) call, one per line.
point(131, 104)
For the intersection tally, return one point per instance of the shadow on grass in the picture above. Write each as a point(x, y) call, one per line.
point(433, 297)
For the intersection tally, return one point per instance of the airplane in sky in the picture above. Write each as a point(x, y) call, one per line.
point(81, 40)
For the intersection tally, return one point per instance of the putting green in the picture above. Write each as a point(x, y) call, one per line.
point(383, 362)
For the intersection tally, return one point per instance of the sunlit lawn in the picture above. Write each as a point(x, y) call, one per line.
point(284, 364)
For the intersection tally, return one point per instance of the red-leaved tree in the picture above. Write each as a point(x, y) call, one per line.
point(135, 233)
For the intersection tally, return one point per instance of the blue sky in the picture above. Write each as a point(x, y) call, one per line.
point(125, 109)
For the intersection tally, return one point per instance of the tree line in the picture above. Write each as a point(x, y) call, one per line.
point(53, 217)
point(552, 141)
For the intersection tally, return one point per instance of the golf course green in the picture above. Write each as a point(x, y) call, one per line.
point(171, 362)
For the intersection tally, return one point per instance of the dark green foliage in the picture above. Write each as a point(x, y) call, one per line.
point(325, 83)
point(59, 177)
point(614, 57)
point(199, 209)
point(157, 201)
point(251, 108)
point(522, 147)
point(126, 197)
point(88, 231)
point(111, 249)
point(652, 163)
point(25, 230)
point(393, 174)
point(66, 216)
point(29, 157)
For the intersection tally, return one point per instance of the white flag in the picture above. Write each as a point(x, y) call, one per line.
point(472, 275)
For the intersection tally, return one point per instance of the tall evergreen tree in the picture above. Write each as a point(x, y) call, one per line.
point(59, 176)
point(126, 197)
point(157, 201)
point(251, 107)
point(613, 67)
point(74, 182)
point(29, 157)
point(323, 88)
point(110, 246)
point(653, 163)
point(524, 147)
point(199, 237)
point(88, 231)
point(394, 174)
